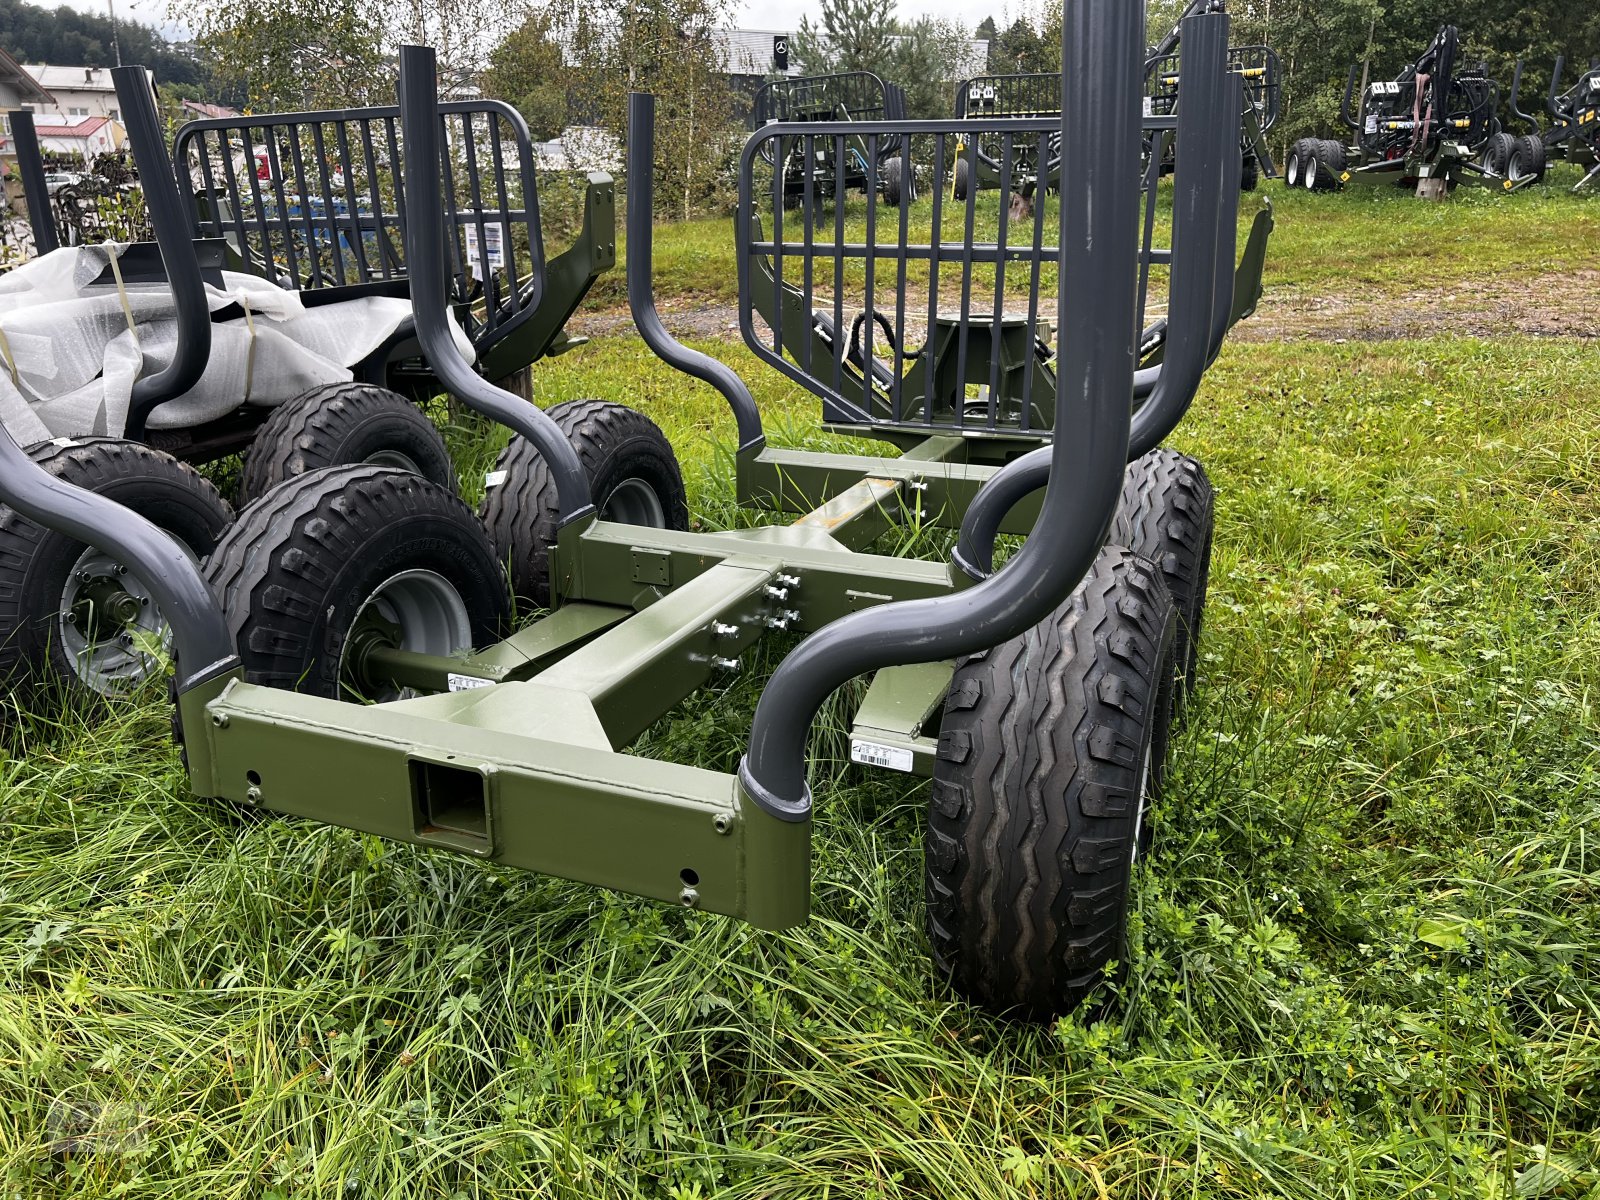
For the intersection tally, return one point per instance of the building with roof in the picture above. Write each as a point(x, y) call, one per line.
point(19, 92)
point(79, 93)
point(87, 140)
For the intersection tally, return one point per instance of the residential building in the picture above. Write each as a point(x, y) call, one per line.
point(80, 93)
point(86, 140)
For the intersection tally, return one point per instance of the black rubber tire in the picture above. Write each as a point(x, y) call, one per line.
point(1167, 515)
point(1033, 823)
point(1249, 171)
point(1330, 165)
point(894, 190)
point(1496, 154)
point(1292, 165)
point(342, 424)
point(959, 179)
point(299, 563)
point(1527, 158)
point(35, 562)
point(614, 443)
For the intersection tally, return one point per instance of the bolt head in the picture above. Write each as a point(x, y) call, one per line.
point(689, 898)
point(253, 795)
point(723, 823)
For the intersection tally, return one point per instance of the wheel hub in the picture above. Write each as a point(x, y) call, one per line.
point(419, 611)
point(111, 632)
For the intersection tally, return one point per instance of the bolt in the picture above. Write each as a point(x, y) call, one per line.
point(789, 580)
point(779, 594)
point(722, 629)
point(121, 570)
point(689, 898)
point(783, 619)
point(722, 823)
point(220, 720)
point(916, 485)
point(252, 795)
point(725, 664)
point(71, 618)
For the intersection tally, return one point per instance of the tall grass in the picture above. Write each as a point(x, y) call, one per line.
point(1363, 960)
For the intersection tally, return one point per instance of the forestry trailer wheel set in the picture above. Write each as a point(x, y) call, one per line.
point(1434, 127)
point(344, 650)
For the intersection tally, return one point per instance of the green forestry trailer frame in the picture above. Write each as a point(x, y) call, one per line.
point(371, 582)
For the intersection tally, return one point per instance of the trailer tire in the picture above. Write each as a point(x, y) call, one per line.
point(1249, 172)
point(1496, 156)
point(1294, 169)
point(895, 191)
point(634, 479)
point(307, 562)
point(41, 650)
point(344, 424)
point(1039, 790)
point(1527, 159)
point(1167, 515)
point(960, 178)
point(1329, 157)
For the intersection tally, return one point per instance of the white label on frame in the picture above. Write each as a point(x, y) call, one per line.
point(873, 754)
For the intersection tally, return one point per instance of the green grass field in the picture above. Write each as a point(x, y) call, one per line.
point(1365, 957)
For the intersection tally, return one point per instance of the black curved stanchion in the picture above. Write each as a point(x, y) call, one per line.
point(425, 242)
point(1204, 234)
point(203, 646)
point(641, 292)
point(1100, 133)
point(30, 166)
point(175, 239)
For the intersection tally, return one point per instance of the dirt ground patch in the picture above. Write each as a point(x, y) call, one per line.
point(1553, 305)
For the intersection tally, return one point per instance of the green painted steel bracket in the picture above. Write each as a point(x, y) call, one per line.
point(897, 725)
point(567, 279)
point(517, 774)
point(1247, 288)
point(802, 481)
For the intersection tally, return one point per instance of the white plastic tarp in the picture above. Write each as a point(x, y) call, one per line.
point(68, 358)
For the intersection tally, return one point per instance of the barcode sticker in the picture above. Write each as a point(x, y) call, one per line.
point(873, 754)
point(465, 683)
point(494, 479)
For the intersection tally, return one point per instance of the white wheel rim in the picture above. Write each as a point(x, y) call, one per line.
point(428, 612)
point(1293, 171)
point(634, 502)
point(395, 459)
point(122, 654)
point(1310, 169)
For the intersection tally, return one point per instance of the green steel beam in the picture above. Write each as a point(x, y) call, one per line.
point(493, 773)
point(801, 481)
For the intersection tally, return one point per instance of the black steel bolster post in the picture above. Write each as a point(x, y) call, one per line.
point(1100, 133)
point(1204, 140)
point(425, 240)
point(31, 167)
point(641, 292)
point(203, 644)
point(175, 239)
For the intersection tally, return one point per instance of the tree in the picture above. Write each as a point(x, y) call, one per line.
point(64, 35)
point(528, 70)
point(665, 47)
point(1019, 50)
point(289, 54)
point(926, 58)
point(855, 35)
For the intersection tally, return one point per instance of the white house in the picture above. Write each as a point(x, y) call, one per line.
point(87, 140)
point(80, 93)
